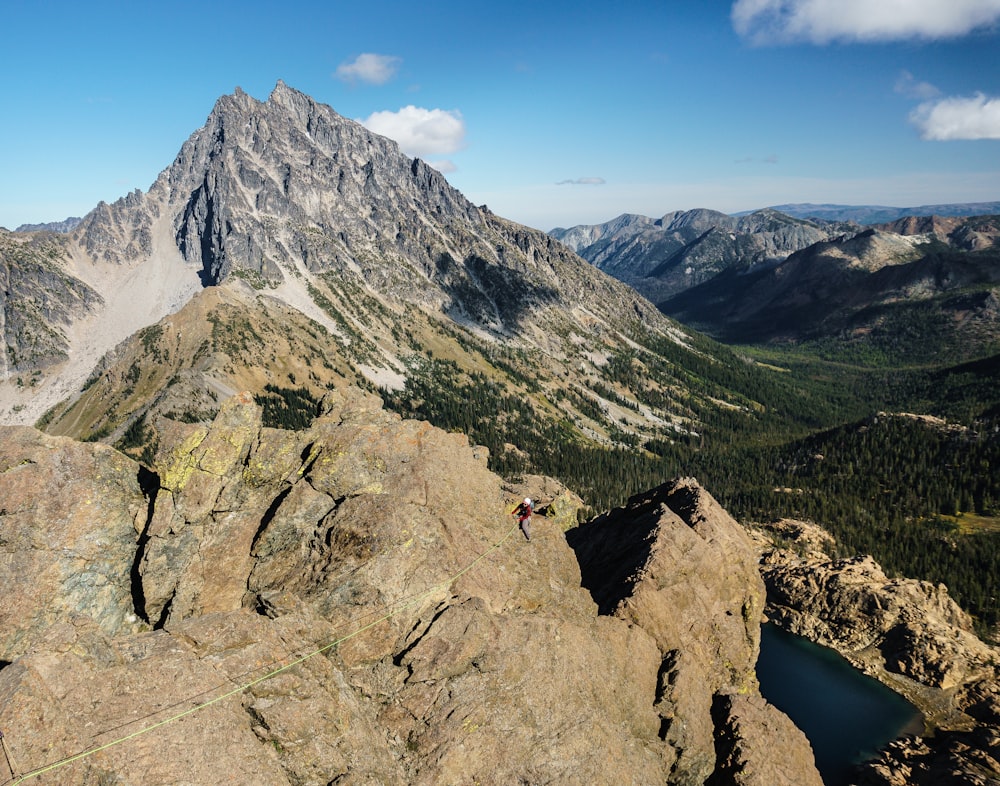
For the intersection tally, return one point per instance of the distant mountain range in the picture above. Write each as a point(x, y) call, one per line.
point(880, 214)
point(66, 225)
point(664, 256)
point(860, 214)
point(920, 291)
point(926, 285)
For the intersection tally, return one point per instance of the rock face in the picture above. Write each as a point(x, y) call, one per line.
point(38, 301)
point(352, 603)
point(912, 627)
point(68, 518)
point(652, 563)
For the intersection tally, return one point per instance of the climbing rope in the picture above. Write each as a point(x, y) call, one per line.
point(399, 604)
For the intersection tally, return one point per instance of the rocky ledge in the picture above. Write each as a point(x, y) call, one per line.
point(908, 634)
point(353, 604)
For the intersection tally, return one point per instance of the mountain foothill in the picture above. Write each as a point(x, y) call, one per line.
point(264, 425)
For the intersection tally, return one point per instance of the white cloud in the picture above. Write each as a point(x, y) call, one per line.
point(370, 68)
point(420, 132)
point(945, 119)
point(822, 21)
point(583, 181)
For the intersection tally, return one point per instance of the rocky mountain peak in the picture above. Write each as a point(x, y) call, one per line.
point(264, 184)
point(277, 190)
point(286, 198)
point(700, 219)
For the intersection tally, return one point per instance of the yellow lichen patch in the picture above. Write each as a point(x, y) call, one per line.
point(220, 452)
point(182, 461)
point(372, 488)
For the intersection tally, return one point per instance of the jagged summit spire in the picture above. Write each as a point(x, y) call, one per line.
point(281, 93)
point(280, 88)
point(302, 106)
point(293, 163)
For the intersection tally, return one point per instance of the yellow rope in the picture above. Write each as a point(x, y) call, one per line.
point(191, 710)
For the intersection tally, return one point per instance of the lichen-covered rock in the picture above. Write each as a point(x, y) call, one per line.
point(438, 645)
point(353, 603)
point(70, 513)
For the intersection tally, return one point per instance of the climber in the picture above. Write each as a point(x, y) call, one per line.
point(523, 512)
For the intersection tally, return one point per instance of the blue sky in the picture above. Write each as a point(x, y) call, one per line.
point(552, 113)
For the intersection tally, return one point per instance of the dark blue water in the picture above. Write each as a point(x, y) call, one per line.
point(846, 715)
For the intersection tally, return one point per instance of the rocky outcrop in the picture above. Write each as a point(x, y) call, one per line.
point(352, 603)
point(673, 563)
point(748, 733)
point(906, 627)
point(120, 233)
point(69, 514)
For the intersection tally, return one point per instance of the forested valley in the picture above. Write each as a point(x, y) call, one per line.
point(921, 494)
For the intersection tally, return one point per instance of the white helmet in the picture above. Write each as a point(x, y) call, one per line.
point(527, 500)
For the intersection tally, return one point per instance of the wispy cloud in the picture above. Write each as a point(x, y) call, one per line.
point(444, 166)
point(909, 86)
point(583, 181)
point(823, 21)
point(954, 118)
point(420, 132)
point(369, 68)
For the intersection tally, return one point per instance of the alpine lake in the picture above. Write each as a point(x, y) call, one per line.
point(847, 715)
